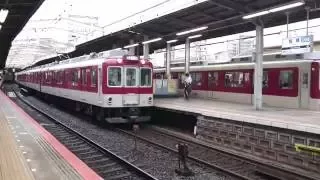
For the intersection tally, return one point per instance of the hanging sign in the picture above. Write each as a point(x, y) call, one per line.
point(297, 45)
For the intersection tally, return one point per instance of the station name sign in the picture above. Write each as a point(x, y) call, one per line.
point(297, 45)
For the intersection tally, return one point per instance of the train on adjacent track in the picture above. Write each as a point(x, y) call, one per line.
point(290, 83)
point(112, 86)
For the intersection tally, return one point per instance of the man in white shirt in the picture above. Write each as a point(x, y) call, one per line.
point(187, 85)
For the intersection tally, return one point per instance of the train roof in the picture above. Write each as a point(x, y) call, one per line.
point(245, 65)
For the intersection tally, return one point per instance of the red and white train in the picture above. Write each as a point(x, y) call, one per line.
point(286, 83)
point(114, 88)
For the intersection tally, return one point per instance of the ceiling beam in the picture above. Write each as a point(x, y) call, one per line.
point(17, 4)
point(231, 5)
point(182, 22)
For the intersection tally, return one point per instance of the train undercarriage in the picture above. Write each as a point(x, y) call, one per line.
point(117, 115)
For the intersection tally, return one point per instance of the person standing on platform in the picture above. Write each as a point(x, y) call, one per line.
point(187, 85)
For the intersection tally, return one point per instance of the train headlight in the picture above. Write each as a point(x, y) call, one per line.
point(150, 100)
point(109, 100)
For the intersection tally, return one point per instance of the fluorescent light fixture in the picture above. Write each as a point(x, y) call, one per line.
point(281, 8)
point(172, 41)
point(195, 36)
point(256, 14)
point(275, 9)
point(131, 45)
point(152, 40)
point(3, 15)
point(192, 30)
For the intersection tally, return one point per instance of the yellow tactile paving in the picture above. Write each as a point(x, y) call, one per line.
point(13, 165)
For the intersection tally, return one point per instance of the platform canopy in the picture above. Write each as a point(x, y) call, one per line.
point(15, 14)
point(220, 17)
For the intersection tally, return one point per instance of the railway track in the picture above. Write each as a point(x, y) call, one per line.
point(234, 166)
point(107, 164)
point(242, 168)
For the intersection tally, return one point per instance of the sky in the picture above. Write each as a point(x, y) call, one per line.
point(110, 11)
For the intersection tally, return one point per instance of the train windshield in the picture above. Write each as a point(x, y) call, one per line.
point(145, 77)
point(131, 77)
point(114, 76)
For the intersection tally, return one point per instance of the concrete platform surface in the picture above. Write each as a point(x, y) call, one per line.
point(29, 152)
point(293, 119)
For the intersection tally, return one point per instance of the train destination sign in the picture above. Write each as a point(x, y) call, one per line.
point(297, 45)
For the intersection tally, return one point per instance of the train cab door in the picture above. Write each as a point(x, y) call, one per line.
point(304, 87)
point(131, 85)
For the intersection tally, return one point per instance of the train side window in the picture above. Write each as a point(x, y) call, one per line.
point(234, 79)
point(213, 79)
point(93, 77)
point(196, 79)
point(286, 79)
point(114, 76)
point(265, 79)
point(145, 77)
point(319, 78)
point(75, 78)
point(84, 77)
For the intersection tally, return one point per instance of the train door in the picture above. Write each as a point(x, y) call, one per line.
point(213, 80)
point(99, 81)
point(131, 85)
point(304, 86)
point(84, 79)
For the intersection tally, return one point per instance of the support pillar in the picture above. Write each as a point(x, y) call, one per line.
point(168, 61)
point(132, 50)
point(146, 49)
point(258, 71)
point(187, 56)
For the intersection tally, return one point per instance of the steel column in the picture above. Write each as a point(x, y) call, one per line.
point(132, 50)
point(168, 61)
point(258, 71)
point(187, 56)
point(146, 49)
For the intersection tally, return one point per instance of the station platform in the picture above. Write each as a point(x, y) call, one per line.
point(293, 119)
point(30, 152)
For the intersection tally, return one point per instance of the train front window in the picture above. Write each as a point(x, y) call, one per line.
point(286, 79)
point(114, 76)
point(145, 77)
point(131, 77)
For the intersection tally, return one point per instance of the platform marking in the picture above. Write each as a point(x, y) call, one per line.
point(10, 117)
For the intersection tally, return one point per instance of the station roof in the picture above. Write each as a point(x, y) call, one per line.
point(223, 17)
point(20, 11)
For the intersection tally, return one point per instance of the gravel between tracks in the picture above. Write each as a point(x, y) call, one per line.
point(154, 160)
